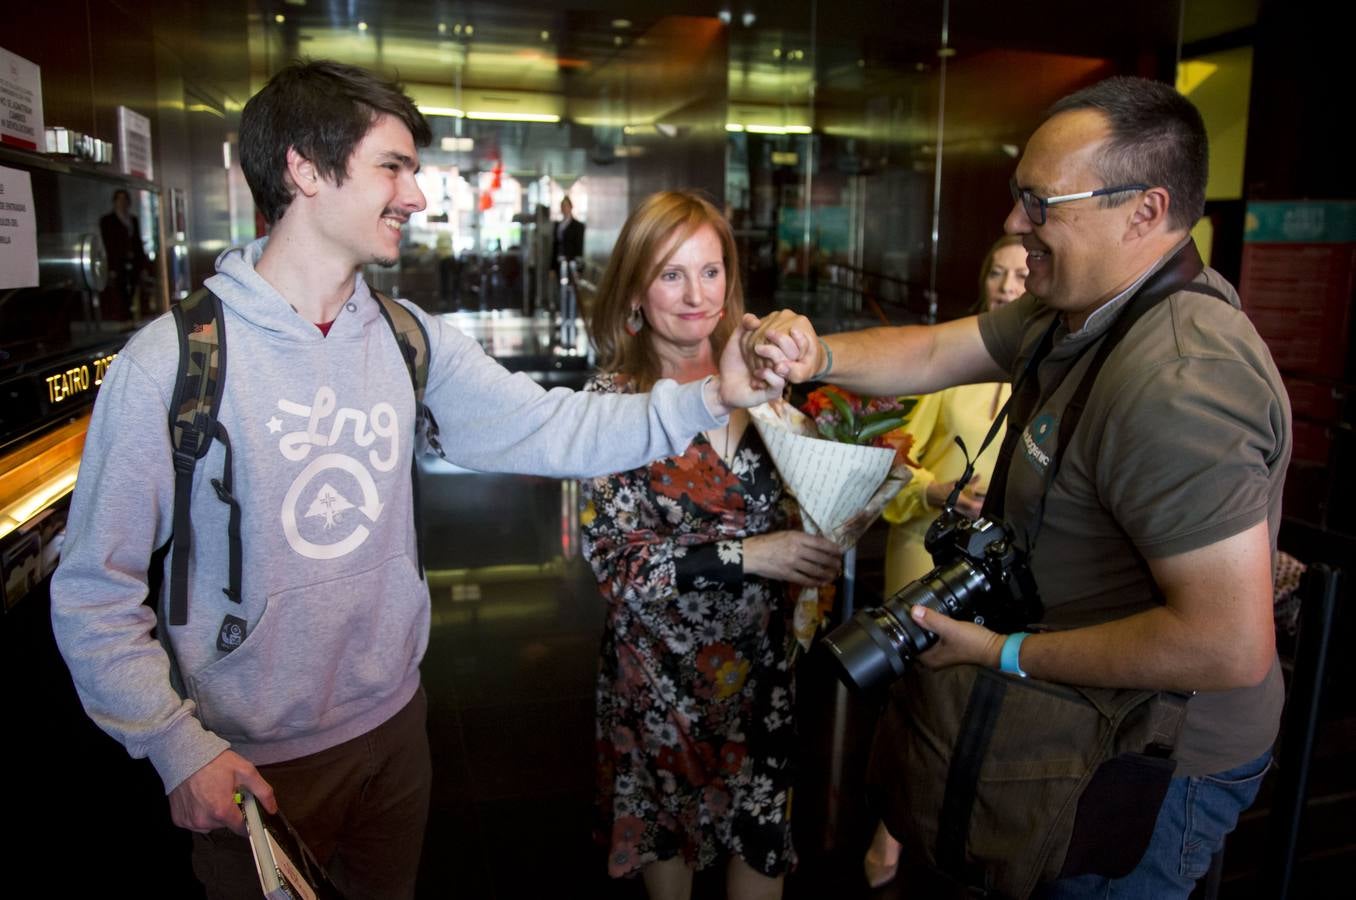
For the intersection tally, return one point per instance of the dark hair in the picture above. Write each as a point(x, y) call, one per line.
point(323, 109)
point(636, 262)
point(123, 191)
point(1157, 138)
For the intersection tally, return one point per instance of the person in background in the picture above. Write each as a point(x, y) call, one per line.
point(568, 241)
point(693, 554)
point(965, 411)
point(127, 260)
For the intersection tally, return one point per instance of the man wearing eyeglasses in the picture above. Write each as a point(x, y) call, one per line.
point(1152, 535)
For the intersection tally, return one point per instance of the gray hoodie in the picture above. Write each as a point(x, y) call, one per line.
point(335, 614)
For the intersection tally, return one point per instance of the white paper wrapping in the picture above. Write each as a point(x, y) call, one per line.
point(841, 488)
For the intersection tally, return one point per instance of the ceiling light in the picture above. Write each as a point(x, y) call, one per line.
point(546, 35)
point(442, 28)
point(724, 16)
point(512, 116)
point(772, 129)
point(748, 19)
point(280, 18)
point(470, 30)
point(442, 111)
point(621, 23)
point(362, 26)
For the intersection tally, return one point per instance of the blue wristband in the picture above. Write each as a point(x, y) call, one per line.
point(1009, 658)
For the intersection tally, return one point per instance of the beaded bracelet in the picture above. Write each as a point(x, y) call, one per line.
point(828, 362)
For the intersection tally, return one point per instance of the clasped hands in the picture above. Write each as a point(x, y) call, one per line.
point(782, 348)
point(762, 356)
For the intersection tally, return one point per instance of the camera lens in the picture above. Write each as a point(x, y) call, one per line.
point(876, 645)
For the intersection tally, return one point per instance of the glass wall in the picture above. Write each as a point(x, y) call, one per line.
point(860, 149)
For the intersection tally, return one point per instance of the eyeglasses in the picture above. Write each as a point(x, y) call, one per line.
point(1035, 207)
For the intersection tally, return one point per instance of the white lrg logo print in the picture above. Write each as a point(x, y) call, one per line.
point(325, 501)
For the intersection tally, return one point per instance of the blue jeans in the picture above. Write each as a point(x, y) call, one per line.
point(1197, 813)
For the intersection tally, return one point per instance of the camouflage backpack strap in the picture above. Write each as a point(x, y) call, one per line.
point(412, 338)
point(193, 424)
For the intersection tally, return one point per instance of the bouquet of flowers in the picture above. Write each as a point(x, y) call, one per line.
point(843, 458)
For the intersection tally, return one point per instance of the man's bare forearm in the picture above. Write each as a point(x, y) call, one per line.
point(912, 359)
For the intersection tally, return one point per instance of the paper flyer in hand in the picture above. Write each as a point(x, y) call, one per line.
point(841, 488)
point(286, 867)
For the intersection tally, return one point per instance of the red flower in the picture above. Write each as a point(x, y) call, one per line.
point(696, 476)
point(626, 831)
point(827, 417)
point(732, 757)
point(712, 657)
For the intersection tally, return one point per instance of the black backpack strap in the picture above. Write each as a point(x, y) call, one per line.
point(224, 487)
point(412, 338)
point(193, 424)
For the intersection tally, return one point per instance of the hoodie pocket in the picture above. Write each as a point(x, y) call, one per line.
point(319, 655)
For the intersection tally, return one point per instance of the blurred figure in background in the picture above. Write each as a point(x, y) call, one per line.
point(127, 260)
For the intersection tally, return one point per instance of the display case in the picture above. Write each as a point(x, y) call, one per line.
point(100, 277)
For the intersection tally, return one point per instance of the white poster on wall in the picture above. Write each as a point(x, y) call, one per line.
point(134, 143)
point(18, 231)
point(20, 102)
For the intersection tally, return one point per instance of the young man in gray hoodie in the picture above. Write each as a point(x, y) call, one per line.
point(320, 701)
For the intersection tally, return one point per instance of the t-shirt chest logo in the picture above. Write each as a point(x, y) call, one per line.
point(330, 503)
point(1034, 436)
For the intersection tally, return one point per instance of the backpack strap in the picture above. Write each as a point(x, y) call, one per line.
point(193, 425)
point(412, 338)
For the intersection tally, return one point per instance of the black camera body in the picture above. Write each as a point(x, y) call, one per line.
point(981, 575)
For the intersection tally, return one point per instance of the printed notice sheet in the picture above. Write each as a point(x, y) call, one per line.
point(18, 231)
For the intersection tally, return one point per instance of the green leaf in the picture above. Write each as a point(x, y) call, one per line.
point(844, 410)
point(881, 416)
point(875, 429)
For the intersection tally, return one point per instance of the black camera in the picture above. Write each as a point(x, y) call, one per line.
point(981, 575)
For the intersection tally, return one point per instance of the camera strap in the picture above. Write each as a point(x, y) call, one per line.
point(1177, 274)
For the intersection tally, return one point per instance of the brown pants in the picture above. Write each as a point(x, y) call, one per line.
point(360, 806)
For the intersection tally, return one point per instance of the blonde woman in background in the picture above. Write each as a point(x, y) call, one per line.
point(966, 411)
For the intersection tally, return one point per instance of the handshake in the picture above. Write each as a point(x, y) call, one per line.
point(764, 355)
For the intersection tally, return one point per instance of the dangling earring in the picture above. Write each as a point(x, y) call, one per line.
point(635, 322)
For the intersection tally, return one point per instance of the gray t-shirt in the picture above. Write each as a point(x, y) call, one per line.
point(1184, 442)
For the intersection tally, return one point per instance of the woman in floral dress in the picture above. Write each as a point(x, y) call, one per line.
point(693, 554)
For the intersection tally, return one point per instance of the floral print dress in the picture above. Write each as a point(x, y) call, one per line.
point(694, 705)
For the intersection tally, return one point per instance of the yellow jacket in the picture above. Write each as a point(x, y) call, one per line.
point(967, 410)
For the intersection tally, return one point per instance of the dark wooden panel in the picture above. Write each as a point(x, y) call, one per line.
point(55, 36)
point(122, 65)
